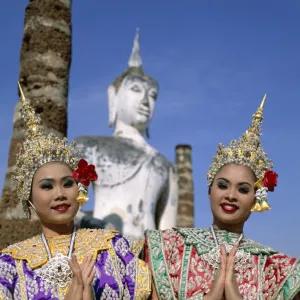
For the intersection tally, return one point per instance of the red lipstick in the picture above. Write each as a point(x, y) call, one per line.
point(229, 208)
point(62, 207)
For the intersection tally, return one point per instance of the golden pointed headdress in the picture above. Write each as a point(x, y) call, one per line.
point(38, 149)
point(246, 151)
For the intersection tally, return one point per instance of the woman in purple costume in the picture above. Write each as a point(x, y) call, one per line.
point(62, 263)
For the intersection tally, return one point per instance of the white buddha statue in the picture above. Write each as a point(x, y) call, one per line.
point(137, 186)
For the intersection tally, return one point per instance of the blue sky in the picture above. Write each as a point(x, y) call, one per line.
point(214, 60)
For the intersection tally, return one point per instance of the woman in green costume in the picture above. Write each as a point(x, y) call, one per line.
point(219, 262)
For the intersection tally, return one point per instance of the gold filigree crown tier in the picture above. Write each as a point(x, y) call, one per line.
point(246, 151)
point(37, 150)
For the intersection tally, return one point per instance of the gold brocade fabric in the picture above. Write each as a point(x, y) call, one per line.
point(119, 273)
point(87, 242)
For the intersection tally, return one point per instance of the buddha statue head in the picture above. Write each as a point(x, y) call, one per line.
point(132, 96)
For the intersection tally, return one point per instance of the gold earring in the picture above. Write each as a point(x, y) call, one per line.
point(82, 197)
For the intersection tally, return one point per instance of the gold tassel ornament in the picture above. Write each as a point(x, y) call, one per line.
point(261, 203)
point(82, 197)
point(83, 194)
point(256, 207)
point(265, 205)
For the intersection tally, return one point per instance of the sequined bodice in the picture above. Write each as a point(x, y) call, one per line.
point(185, 261)
point(226, 237)
point(119, 273)
point(59, 244)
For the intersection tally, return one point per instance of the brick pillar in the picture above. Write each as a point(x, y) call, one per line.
point(185, 216)
point(45, 61)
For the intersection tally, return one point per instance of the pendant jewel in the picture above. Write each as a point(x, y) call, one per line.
point(213, 257)
point(56, 271)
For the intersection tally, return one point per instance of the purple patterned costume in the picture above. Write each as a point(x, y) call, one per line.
point(119, 273)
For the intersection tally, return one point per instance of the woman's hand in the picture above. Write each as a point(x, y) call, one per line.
point(80, 287)
point(88, 272)
point(75, 290)
point(231, 286)
point(218, 286)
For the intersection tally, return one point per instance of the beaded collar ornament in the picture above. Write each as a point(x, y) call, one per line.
point(248, 151)
point(38, 149)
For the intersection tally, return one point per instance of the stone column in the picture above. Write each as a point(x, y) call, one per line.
point(45, 61)
point(185, 216)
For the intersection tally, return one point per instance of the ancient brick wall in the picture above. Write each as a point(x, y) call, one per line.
point(12, 231)
point(44, 73)
point(185, 216)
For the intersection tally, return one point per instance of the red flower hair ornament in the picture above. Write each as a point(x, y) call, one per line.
point(265, 185)
point(84, 175)
point(270, 180)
